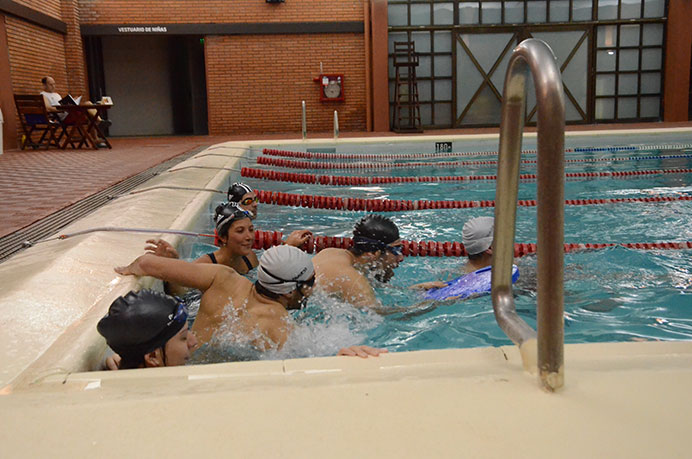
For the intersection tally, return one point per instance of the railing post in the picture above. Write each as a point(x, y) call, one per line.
point(305, 122)
point(536, 56)
point(336, 125)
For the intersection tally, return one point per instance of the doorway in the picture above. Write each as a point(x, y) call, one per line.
point(157, 83)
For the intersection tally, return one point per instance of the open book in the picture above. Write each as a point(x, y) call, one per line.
point(69, 100)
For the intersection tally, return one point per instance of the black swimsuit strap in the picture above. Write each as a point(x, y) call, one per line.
point(213, 257)
point(248, 263)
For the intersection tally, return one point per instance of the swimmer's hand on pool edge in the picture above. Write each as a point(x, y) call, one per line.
point(361, 351)
point(161, 248)
point(429, 285)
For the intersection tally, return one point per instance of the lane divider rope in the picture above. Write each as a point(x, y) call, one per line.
point(267, 239)
point(387, 205)
point(280, 162)
point(343, 180)
point(319, 155)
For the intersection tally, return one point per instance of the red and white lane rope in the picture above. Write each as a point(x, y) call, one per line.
point(267, 239)
point(280, 162)
point(387, 205)
point(369, 156)
point(344, 180)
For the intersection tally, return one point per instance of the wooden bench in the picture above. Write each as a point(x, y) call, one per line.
point(41, 128)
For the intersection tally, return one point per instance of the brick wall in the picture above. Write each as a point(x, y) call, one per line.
point(217, 11)
point(34, 53)
point(74, 53)
point(255, 83)
point(49, 7)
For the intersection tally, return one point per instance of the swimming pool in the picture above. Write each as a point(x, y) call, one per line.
point(611, 294)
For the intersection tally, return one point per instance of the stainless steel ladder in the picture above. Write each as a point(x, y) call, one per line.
point(535, 57)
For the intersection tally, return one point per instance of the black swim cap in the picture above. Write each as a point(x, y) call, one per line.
point(141, 322)
point(237, 191)
point(374, 229)
point(225, 214)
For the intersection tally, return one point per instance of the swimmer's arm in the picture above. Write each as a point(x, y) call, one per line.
point(195, 275)
point(360, 294)
point(428, 285)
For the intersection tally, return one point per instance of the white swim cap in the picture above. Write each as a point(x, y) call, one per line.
point(282, 267)
point(477, 234)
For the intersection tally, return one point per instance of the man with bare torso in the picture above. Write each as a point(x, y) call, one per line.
point(285, 279)
point(347, 273)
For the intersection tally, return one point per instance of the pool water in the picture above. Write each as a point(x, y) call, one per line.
point(612, 294)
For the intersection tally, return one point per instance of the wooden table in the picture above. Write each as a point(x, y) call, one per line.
point(81, 127)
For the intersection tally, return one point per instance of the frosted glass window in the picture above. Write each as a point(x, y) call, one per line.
point(559, 11)
point(629, 35)
point(607, 36)
point(514, 12)
point(651, 83)
point(468, 13)
point(443, 114)
point(443, 42)
point(424, 94)
point(397, 15)
point(581, 10)
point(650, 107)
point(425, 114)
point(605, 61)
point(536, 11)
point(629, 59)
point(607, 9)
point(492, 12)
point(654, 8)
point(627, 107)
point(443, 89)
point(443, 13)
point(627, 84)
point(396, 36)
point(605, 85)
point(605, 109)
point(651, 59)
point(653, 35)
point(423, 69)
point(631, 9)
point(422, 41)
point(420, 14)
point(443, 66)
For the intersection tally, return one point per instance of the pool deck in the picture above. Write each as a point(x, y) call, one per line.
point(619, 400)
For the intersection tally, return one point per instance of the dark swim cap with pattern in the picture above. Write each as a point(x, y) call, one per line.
point(141, 322)
point(225, 214)
point(237, 191)
point(373, 231)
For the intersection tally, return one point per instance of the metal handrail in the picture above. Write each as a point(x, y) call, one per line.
point(536, 56)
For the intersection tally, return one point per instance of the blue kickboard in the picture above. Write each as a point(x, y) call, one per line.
point(467, 285)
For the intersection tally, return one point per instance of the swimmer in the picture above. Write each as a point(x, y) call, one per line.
point(147, 329)
point(376, 251)
point(285, 279)
point(245, 196)
point(235, 235)
point(477, 237)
